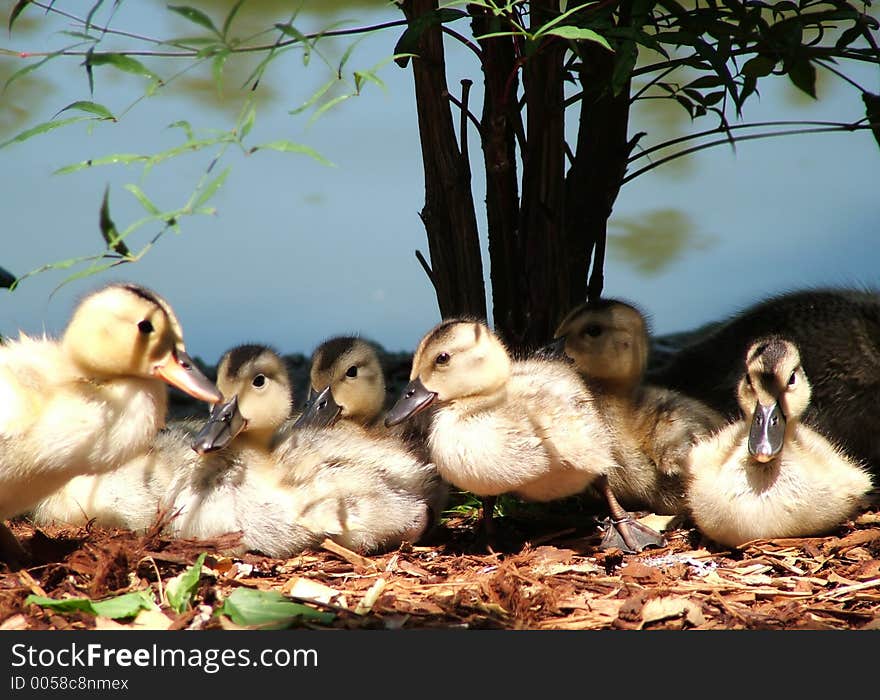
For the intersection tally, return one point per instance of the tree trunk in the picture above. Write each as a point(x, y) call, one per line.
point(593, 181)
point(541, 263)
point(448, 215)
point(498, 124)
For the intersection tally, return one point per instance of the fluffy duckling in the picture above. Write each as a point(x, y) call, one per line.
point(347, 384)
point(526, 427)
point(837, 332)
point(768, 475)
point(194, 468)
point(347, 387)
point(653, 428)
point(90, 401)
point(287, 492)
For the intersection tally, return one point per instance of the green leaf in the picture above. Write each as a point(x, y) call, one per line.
point(758, 66)
point(180, 589)
point(195, 16)
point(803, 74)
point(268, 610)
point(212, 188)
point(125, 605)
point(579, 34)
point(16, 11)
point(27, 69)
point(144, 200)
point(872, 107)
point(90, 107)
point(41, 129)
point(115, 159)
point(291, 147)
point(227, 23)
point(121, 62)
point(217, 70)
point(108, 229)
point(248, 123)
point(7, 279)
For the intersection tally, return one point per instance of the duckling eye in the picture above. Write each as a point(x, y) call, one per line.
point(442, 358)
point(792, 380)
point(351, 371)
point(259, 380)
point(594, 330)
point(145, 327)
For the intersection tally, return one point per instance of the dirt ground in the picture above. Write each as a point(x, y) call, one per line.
point(543, 573)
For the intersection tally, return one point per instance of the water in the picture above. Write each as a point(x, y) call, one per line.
point(298, 251)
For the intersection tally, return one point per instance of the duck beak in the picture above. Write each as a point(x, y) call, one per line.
point(179, 370)
point(415, 397)
point(224, 423)
point(554, 350)
point(767, 432)
point(321, 411)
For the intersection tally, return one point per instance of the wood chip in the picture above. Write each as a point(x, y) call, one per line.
point(348, 555)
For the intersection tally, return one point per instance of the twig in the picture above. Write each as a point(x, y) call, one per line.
point(347, 554)
point(427, 268)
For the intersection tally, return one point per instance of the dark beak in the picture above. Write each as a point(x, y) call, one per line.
point(554, 350)
point(767, 432)
point(415, 397)
point(224, 423)
point(321, 411)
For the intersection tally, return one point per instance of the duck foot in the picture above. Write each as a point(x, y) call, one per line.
point(629, 535)
point(11, 550)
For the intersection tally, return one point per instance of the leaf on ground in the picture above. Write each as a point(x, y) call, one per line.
point(268, 610)
point(179, 590)
point(121, 606)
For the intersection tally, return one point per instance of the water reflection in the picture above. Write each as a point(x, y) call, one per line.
point(654, 240)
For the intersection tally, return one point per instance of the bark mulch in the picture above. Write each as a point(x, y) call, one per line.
point(544, 574)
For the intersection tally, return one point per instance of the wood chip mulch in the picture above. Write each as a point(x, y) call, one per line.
point(553, 578)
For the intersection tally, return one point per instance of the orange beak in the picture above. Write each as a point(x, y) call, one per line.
point(179, 370)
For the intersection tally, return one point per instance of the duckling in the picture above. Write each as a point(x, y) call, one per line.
point(90, 401)
point(347, 387)
point(346, 384)
point(837, 332)
point(528, 427)
point(769, 475)
point(289, 490)
point(653, 428)
point(193, 467)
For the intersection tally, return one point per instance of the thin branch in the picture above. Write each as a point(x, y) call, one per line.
point(749, 137)
point(427, 268)
point(841, 75)
point(466, 84)
point(194, 52)
point(846, 126)
point(651, 83)
point(470, 115)
point(461, 38)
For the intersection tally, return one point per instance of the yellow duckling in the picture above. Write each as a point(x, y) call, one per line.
point(184, 473)
point(768, 475)
point(653, 428)
point(526, 427)
point(90, 401)
point(347, 384)
point(837, 332)
point(347, 387)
